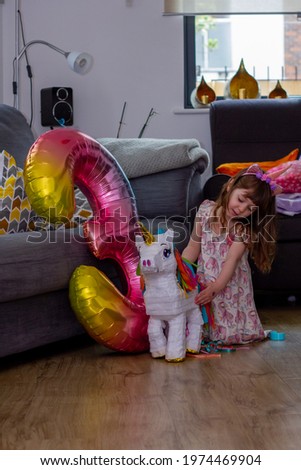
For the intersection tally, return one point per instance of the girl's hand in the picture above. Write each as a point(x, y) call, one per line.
point(206, 295)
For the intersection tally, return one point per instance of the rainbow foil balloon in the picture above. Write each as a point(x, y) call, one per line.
point(57, 161)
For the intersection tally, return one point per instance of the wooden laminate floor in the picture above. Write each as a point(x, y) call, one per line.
point(79, 395)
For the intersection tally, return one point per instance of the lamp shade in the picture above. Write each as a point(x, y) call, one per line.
point(80, 62)
point(231, 7)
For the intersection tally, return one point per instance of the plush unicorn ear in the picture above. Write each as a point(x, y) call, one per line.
point(139, 241)
point(169, 235)
point(166, 237)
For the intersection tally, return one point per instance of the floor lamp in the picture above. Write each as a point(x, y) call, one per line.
point(79, 62)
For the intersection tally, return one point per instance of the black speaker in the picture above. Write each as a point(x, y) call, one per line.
point(56, 106)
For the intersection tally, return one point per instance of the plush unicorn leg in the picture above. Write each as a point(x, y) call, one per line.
point(157, 338)
point(194, 330)
point(176, 344)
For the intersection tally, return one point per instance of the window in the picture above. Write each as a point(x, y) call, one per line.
point(270, 46)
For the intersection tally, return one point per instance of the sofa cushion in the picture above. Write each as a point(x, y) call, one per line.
point(15, 209)
point(33, 263)
point(232, 169)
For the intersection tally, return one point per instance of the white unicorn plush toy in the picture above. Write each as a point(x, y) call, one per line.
point(168, 301)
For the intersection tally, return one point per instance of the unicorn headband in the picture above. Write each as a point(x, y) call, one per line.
point(269, 178)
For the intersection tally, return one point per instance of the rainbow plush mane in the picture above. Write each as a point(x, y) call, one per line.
point(186, 275)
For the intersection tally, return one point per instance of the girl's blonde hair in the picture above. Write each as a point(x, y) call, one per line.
point(261, 224)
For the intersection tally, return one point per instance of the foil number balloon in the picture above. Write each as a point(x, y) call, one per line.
point(58, 160)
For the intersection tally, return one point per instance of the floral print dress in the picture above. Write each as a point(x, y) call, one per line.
point(236, 320)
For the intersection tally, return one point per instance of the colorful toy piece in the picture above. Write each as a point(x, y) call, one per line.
point(175, 321)
point(276, 336)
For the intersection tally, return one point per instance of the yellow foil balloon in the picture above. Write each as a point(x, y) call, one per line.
point(57, 161)
point(104, 312)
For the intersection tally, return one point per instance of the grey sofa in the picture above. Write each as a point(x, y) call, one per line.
point(34, 277)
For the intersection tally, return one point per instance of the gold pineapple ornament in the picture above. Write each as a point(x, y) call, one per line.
point(242, 85)
point(278, 91)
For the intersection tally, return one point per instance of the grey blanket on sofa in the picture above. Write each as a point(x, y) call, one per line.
point(139, 157)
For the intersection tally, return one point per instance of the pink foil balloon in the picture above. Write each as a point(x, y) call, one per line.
point(58, 160)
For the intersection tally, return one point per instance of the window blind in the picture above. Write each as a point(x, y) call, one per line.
point(231, 7)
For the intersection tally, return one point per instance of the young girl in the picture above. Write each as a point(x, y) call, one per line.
point(240, 223)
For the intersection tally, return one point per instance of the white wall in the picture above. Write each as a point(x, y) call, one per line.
point(138, 58)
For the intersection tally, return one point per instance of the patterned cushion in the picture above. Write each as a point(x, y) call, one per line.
point(16, 214)
point(83, 210)
point(15, 209)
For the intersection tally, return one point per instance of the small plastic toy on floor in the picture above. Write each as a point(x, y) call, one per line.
point(170, 286)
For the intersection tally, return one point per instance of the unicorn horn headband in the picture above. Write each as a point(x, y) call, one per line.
point(269, 178)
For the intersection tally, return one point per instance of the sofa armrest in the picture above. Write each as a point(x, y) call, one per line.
point(16, 136)
point(172, 193)
point(140, 157)
point(165, 174)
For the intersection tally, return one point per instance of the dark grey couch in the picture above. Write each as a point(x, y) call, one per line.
point(261, 130)
point(34, 277)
